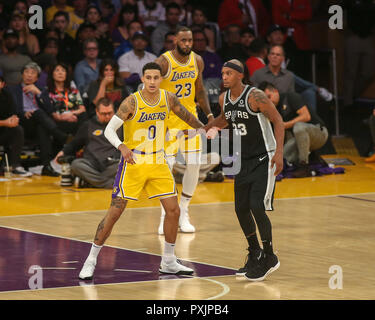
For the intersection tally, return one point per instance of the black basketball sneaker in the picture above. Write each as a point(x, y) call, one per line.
point(263, 266)
point(249, 263)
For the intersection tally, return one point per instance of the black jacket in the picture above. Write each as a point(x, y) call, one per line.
point(96, 148)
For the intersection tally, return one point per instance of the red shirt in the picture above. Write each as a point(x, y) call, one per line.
point(299, 13)
point(253, 64)
point(230, 13)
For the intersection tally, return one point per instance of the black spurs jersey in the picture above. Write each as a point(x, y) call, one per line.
point(254, 128)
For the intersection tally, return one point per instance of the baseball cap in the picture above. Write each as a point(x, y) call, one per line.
point(139, 35)
point(275, 27)
point(10, 33)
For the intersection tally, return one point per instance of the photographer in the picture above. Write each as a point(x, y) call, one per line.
point(98, 166)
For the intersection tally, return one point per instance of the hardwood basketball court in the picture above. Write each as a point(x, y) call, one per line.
point(320, 225)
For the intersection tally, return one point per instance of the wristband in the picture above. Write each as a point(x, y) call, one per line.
point(209, 115)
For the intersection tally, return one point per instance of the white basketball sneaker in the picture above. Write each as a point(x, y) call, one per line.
point(87, 271)
point(184, 222)
point(172, 265)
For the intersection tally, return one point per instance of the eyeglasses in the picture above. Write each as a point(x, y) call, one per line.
point(92, 49)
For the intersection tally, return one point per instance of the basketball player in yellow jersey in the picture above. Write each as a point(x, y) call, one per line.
point(142, 164)
point(182, 74)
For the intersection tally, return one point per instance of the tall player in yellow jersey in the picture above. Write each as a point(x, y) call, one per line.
point(182, 74)
point(142, 165)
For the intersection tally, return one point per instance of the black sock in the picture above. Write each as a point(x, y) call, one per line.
point(253, 242)
point(267, 246)
point(265, 229)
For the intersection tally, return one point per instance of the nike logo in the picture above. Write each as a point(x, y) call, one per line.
point(163, 106)
point(142, 108)
point(260, 254)
point(262, 158)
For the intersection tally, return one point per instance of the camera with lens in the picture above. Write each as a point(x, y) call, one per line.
point(66, 177)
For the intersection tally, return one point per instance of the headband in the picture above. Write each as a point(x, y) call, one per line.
point(233, 66)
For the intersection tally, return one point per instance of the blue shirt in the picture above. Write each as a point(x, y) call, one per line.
point(84, 74)
point(29, 101)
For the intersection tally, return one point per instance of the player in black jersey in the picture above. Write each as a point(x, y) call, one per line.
point(248, 112)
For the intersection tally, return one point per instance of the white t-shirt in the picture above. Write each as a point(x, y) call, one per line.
point(129, 62)
point(151, 18)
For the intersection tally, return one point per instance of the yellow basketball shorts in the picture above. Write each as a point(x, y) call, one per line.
point(156, 179)
point(184, 144)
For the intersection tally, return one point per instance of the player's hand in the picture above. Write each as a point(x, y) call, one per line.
point(212, 132)
point(127, 154)
point(277, 160)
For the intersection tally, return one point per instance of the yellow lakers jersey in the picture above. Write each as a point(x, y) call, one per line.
point(180, 80)
point(144, 133)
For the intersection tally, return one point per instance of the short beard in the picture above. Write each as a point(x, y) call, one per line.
point(181, 52)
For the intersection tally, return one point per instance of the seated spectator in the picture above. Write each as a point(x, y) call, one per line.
point(108, 11)
point(88, 31)
point(258, 49)
point(12, 62)
point(109, 85)
point(68, 48)
point(116, 17)
point(232, 48)
point(150, 13)
point(33, 112)
point(76, 17)
point(247, 37)
point(63, 100)
point(132, 62)
point(372, 129)
point(94, 16)
point(46, 59)
point(21, 6)
point(200, 22)
point(11, 133)
point(28, 43)
point(306, 88)
point(87, 70)
point(212, 61)
point(281, 78)
point(171, 24)
point(251, 13)
point(58, 5)
point(169, 42)
point(132, 27)
point(304, 130)
point(99, 164)
point(127, 14)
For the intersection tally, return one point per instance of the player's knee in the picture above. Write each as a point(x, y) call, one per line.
point(174, 212)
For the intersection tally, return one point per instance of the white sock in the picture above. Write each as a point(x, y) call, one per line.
point(184, 202)
point(168, 249)
point(94, 252)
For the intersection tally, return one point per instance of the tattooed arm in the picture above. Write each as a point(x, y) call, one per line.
point(259, 102)
point(182, 112)
point(200, 90)
point(126, 111)
point(164, 64)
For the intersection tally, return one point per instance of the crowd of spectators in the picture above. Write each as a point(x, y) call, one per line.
point(52, 79)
